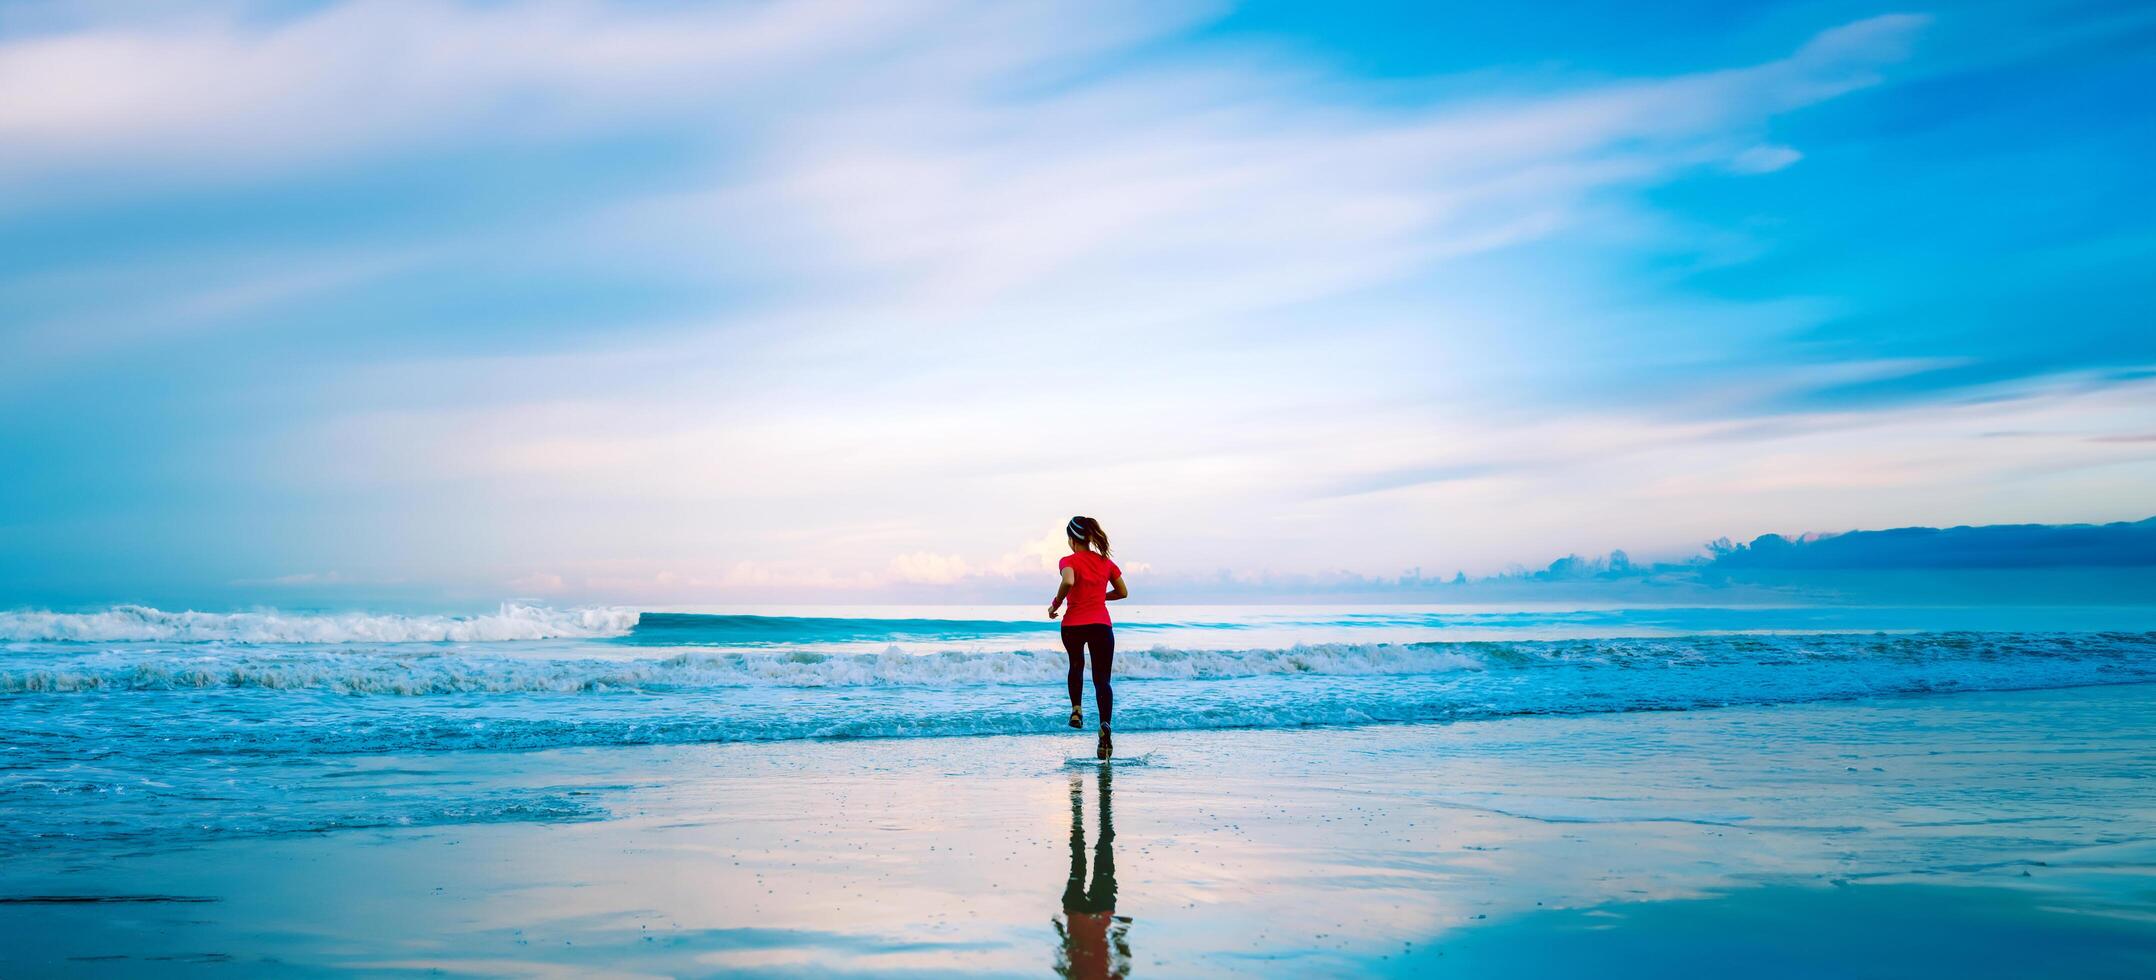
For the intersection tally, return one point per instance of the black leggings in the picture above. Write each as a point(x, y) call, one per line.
point(1101, 637)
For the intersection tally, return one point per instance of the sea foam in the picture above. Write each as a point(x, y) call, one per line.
point(215, 730)
point(422, 671)
point(145, 624)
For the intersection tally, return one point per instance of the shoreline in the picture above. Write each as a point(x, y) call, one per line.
point(1392, 848)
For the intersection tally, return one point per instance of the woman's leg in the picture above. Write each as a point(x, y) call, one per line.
point(1074, 645)
point(1103, 647)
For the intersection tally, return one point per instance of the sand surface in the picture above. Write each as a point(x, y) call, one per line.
point(1991, 834)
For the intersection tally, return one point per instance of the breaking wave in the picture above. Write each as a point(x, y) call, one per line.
point(457, 672)
point(121, 624)
point(2069, 658)
point(201, 726)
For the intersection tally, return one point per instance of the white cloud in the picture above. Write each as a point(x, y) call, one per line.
point(539, 583)
point(1764, 159)
point(211, 91)
point(928, 568)
point(1009, 263)
point(994, 302)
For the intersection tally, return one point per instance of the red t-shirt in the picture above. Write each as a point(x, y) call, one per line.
point(1089, 594)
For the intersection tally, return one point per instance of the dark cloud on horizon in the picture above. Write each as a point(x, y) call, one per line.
point(2012, 563)
point(2119, 545)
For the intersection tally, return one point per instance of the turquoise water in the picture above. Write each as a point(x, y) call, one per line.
point(133, 724)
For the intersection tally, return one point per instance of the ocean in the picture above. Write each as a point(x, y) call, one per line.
point(128, 725)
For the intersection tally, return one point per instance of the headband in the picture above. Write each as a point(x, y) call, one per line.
point(1076, 528)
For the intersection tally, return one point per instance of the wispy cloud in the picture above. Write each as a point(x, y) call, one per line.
point(216, 93)
point(804, 295)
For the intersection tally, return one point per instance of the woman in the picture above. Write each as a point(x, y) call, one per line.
point(1087, 579)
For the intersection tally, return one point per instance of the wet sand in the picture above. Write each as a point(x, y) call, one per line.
point(1973, 835)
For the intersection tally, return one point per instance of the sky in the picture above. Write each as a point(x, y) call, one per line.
point(798, 300)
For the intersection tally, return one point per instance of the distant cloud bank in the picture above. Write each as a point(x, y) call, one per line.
point(1994, 546)
point(2042, 563)
point(2101, 563)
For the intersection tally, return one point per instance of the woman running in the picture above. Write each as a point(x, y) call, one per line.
point(1090, 582)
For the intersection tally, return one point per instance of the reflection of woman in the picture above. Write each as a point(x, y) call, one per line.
point(1096, 941)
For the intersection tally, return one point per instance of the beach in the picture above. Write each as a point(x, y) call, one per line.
point(627, 489)
point(1973, 834)
point(611, 488)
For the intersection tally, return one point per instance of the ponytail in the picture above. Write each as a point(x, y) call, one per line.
point(1086, 530)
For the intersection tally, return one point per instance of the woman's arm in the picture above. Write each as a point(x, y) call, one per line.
point(1118, 592)
point(1063, 591)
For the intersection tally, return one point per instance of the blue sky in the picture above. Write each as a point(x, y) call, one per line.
point(804, 300)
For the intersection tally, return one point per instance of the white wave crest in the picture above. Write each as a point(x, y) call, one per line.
point(419, 671)
point(145, 624)
point(430, 672)
point(959, 669)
